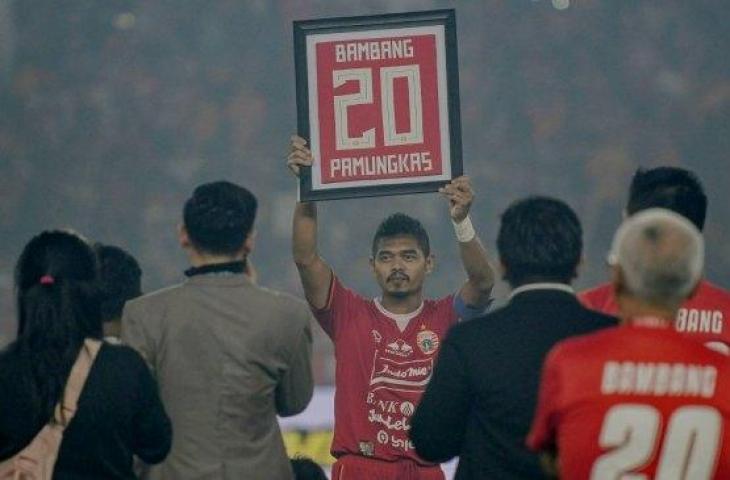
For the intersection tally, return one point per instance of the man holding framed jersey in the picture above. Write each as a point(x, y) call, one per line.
point(385, 348)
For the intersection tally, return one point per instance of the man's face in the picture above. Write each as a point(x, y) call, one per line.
point(400, 266)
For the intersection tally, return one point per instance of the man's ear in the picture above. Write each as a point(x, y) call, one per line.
point(430, 263)
point(617, 280)
point(250, 243)
point(183, 237)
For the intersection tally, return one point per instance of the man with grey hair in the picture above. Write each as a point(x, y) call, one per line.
point(658, 257)
point(640, 399)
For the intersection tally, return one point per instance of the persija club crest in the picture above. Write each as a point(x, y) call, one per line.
point(427, 341)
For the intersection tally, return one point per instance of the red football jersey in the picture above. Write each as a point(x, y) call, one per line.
point(381, 372)
point(703, 316)
point(635, 400)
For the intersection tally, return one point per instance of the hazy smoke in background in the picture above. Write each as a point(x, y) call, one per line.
point(111, 112)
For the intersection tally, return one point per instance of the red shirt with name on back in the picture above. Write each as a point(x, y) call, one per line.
point(640, 400)
point(705, 316)
point(381, 372)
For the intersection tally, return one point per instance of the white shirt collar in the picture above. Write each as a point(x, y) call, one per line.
point(542, 286)
point(397, 316)
point(401, 319)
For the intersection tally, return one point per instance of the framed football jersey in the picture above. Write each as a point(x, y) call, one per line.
point(378, 101)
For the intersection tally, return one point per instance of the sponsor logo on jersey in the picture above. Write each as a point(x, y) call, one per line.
point(399, 348)
point(402, 444)
point(367, 449)
point(427, 341)
point(390, 422)
point(394, 441)
point(407, 376)
point(391, 406)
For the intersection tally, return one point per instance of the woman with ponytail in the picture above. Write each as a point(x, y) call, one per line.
point(119, 412)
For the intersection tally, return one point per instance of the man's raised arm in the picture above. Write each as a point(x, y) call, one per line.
point(477, 290)
point(314, 272)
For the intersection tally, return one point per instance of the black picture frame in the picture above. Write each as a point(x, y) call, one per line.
point(303, 29)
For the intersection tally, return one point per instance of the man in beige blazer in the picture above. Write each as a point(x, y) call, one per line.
point(228, 355)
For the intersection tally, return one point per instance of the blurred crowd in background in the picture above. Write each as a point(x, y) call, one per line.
point(111, 112)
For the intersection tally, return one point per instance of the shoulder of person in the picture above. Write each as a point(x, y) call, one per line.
point(598, 319)
point(121, 352)
point(444, 302)
point(493, 318)
point(122, 356)
point(285, 299)
point(585, 343)
point(155, 299)
point(477, 329)
point(284, 302)
point(709, 288)
point(599, 291)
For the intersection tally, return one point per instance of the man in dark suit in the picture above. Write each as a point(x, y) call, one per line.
point(480, 402)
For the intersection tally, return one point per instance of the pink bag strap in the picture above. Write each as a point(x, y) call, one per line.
point(75, 383)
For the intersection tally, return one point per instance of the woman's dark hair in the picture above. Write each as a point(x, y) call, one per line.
point(58, 307)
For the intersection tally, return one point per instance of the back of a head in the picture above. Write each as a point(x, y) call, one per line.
point(400, 224)
point(56, 278)
point(219, 217)
point(672, 188)
point(306, 469)
point(120, 280)
point(660, 255)
point(540, 239)
point(58, 306)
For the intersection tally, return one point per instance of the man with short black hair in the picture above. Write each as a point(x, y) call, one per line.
point(673, 188)
point(481, 398)
point(120, 280)
point(706, 314)
point(639, 400)
point(228, 355)
point(385, 347)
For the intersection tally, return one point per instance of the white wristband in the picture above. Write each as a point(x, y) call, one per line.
point(464, 230)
